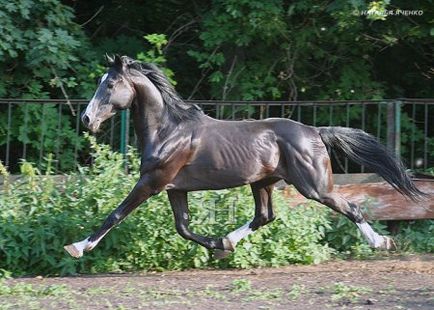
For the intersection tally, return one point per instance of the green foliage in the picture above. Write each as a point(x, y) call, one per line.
point(155, 54)
point(44, 131)
point(244, 291)
point(349, 293)
point(309, 49)
point(417, 236)
point(410, 133)
point(377, 10)
point(296, 291)
point(38, 217)
point(241, 285)
point(27, 289)
point(243, 49)
point(4, 274)
point(41, 48)
point(430, 171)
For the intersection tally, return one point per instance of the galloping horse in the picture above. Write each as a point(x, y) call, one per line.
point(183, 150)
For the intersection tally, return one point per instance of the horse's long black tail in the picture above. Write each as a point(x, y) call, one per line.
point(364, 149)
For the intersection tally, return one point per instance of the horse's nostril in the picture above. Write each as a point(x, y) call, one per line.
point(85, 119)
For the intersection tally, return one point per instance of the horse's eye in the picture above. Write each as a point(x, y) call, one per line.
point(110, 85)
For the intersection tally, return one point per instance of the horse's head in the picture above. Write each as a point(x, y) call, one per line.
point(115, 92)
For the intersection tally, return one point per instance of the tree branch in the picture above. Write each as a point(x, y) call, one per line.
point(93, 16)
point(225, 86)
point(63, 91)
point(204, 74)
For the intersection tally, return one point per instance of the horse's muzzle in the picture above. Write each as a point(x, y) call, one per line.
point(85, 119)
point(92, 125)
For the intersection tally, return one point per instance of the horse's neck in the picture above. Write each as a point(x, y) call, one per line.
point(148, 112)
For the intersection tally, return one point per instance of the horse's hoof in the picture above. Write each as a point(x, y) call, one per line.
point(73, 251)
point(228, 245)
point(389, 244)
point(220, 254)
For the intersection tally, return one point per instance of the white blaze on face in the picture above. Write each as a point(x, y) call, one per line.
point(103, 78)
point(91, 103)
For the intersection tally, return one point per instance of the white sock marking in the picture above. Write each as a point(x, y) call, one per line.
point(240, 233)
point(81, 245)
point(86, 245)
point(373, 238)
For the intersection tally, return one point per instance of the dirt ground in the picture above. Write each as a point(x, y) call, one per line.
point(394, 283)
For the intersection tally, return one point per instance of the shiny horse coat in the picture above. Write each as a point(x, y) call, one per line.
point(184, 150)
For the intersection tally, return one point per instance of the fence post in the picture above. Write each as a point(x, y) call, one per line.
point(124, 131)
point(394, 127)
point(394, 143)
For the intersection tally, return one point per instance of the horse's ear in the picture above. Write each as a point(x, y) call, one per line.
point(110, 60)
point(118, 62)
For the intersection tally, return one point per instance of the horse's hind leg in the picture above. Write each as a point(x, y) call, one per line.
point(264, 214)
point(314, 181)
point(352, 211)
point(179, 204)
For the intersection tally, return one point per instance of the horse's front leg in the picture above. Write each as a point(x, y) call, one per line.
point(141, 191)
point(179, 203)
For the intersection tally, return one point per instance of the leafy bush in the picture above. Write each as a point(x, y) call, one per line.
point(39, 127)
point(38, 216)
point(417, 236)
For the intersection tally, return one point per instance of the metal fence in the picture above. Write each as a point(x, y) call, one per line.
point(36, 129)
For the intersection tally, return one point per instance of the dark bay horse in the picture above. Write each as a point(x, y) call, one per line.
point(184, 150)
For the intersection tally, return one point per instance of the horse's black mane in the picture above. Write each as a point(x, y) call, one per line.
point(177, 109)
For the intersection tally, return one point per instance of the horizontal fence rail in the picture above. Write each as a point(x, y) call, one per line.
point(43, 131)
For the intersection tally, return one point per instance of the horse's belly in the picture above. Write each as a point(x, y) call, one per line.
point(214, 170)
point(204, 179)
